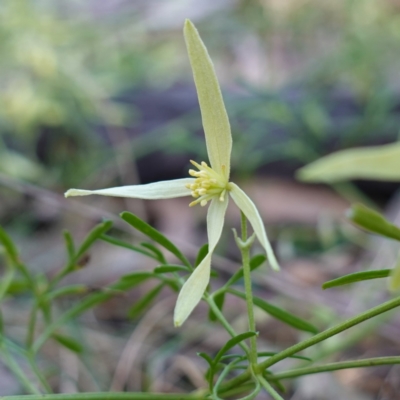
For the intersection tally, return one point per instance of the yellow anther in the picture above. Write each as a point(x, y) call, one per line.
point(208, 184)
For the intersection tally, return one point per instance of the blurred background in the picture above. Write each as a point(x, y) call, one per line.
point(99, 94)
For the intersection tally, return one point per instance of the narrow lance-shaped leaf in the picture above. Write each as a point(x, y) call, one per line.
point(68, 342)
point(9, 246)
point(152, 233)
point(145, 301)
point(373, 222)
point(255, 262)
point(201, 254)
point(232, 343)
point(69, 244)
point(158, 254)
point(279, 313)
point(394, 282)
point(124, 284)
point(357, 277)
point(93, 235)
point(164, 269)
point(6, 281)
point(120, 243)
point(67, 291)
point(219, 300)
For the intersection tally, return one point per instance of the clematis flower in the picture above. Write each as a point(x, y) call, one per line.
point(209, 183)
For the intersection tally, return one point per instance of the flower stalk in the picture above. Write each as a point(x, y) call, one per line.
point(244, 243)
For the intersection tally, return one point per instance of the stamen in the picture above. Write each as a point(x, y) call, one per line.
point(208, 184)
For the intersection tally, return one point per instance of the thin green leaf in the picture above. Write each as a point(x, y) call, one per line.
point(1, 328)
point(373, 222)
point(125, 283)
point(164, 269)
point(357, 277)
point(394, 282)
point(255, 262)
point(69, 244)
point(262, 354)
point(214, 274)
point(206, 357)
point(145, 301)
point(272, 353)
point(67, 290)
point(232, 343)
point(18, 286)
point(93, 235)
point(279, 313)
point(269, 375)
point(133, 279)
point(201, 254)
point(152, 233)
point(235, 356)
point(9, 246)
point(125, 245)
point(68, 342)
point(6, 281)
point(159, 255)
point(219, 302)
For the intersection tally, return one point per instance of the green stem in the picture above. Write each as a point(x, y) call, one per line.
point(266, 385)
point(20, 374)
point(368, 362)
point(38, 374)
point(373, 312)
point(221, 318)
point(110, 396)
point(244, 247)
point(31, 325)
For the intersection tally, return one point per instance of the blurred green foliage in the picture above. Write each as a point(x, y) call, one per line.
point(64, 63)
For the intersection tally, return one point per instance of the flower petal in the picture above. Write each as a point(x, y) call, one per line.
point(156, 190)
point(215, 221)
point(215, 119)
point(375, 162)
point(193, 289)
point(250, 211)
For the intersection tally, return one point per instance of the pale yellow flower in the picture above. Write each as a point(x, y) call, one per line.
point(209, 183)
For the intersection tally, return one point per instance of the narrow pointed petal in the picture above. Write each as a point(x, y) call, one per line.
point(250, 211)
point(215, 221)
point(156, 190)
point(215, 119)
point(375, 162)
point(192, 291)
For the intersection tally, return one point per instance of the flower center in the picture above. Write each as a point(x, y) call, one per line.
point(208, 184)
